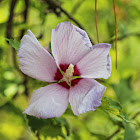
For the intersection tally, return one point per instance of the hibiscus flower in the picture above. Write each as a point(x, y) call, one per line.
point(71, 70)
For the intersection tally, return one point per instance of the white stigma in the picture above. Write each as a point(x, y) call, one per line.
point(69, 73)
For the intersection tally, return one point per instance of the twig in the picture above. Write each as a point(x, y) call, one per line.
point(25, 14)
point(9, 35)
point(116, 132)
point(96, 20)
point(9, 30)
point(10, 19)
point(38, 135)
point(138, 113)
point(54, 5)
point(25, 82)
point(115, 30)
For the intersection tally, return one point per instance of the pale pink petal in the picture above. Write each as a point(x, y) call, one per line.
point(34, 60)
point(97, 63)
point(47, 102)
point(67, 44)
point(85, 36)
point(86, 96)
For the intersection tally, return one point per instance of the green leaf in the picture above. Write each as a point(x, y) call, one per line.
point(50, 49)
point(37, 124)
point(63, 122)
point(110, 106)
point(130, 132)
point(14, 43)
point(48, 127)
point(52, 131)
point(125, 92)
point(113, 107)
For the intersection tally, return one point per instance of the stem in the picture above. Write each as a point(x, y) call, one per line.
point(96, 20)
point(38, 135)
point(115, 29)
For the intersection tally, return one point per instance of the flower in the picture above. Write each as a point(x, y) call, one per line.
point(74, 65)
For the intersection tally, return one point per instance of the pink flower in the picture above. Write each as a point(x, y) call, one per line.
point(75, 62)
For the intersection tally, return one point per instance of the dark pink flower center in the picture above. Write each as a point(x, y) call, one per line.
point(59, 76)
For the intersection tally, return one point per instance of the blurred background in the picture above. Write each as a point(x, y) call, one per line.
point(41, 16)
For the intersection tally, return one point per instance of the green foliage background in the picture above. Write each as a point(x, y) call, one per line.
point(118, 118)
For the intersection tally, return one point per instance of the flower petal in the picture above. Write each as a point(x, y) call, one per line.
point(34, 60)
point(85, 36)
point(97, 63)
point(86, 96)
point(49, 101)
point(67, 44)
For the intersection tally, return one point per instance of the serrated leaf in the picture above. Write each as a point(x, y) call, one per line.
point(14, 43)
point(113, 107)
point(47, 127)
point(52, 131)
point(63, 122)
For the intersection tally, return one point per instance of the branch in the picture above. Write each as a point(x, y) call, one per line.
point(115, 29)
point(9, 35)
point(10, 19)
point(116, 132)
point(96, 20)
point(138, 113)
point(123, 37)
point(38, 135)
point(25, 14)
point(55, 6)
point(9, 30)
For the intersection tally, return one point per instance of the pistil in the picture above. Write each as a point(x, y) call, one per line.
point(68, 75)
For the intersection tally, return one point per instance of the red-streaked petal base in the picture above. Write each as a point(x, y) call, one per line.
point(59, 76)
